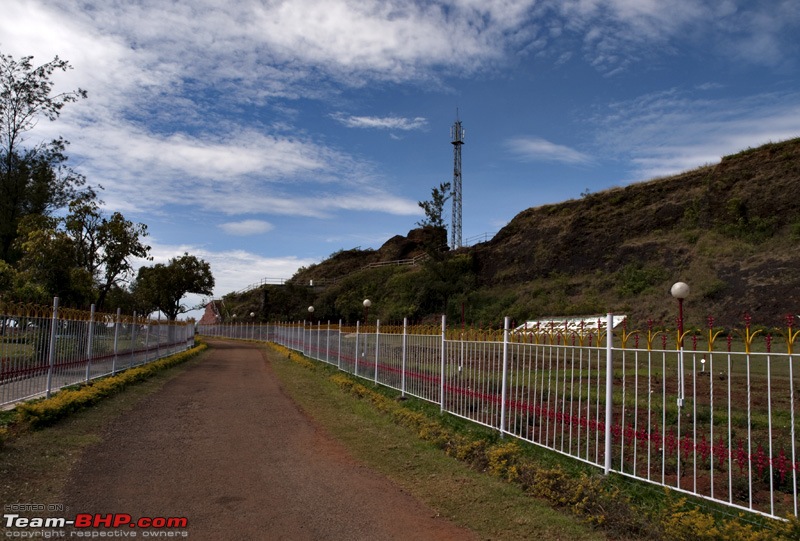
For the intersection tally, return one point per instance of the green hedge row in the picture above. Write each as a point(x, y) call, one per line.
point(39, 413)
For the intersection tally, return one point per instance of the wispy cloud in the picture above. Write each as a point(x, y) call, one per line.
point(667, 132)
point(381, 123)
point(537, 149)
point(246, 227)
point(617, 33)
point(242, 173)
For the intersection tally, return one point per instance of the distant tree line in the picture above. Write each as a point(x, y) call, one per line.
point(55, 237)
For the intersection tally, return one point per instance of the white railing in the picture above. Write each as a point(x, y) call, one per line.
point(477, 239)
point(43, 349)
point(719, 425)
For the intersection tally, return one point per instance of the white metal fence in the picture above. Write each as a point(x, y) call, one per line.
point(43, 349)
point(703, 420)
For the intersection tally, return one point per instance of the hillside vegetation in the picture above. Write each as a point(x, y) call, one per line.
point(729, 230)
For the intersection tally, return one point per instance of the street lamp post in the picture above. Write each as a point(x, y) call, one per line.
point(310, 323)
point(680, 291)
point(367, 304)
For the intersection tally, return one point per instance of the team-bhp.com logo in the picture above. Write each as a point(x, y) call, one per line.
point(86, 523)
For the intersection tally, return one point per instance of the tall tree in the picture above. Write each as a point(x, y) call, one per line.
point(47, 265)
point(162, 287)
point(434, 208)
point(435, 243)
point(104, 246)
point(34, 179)
point(80, 257)
point(120, 240)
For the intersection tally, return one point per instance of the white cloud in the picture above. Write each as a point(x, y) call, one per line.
point(266, 49)
point(152, 136)
point(246, 227)
point(534, 148)
point(388, 122)
point(233, 270)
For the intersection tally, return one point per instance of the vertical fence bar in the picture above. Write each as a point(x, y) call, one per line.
point(355, 366)
point(89, 344)
point(158, 337)
point(504, 378)
point(116, 342)
point(694, 422)
point(680, 400)
point(403, 358)
point(339, 348)
point(749, 436)
point(794, 442)
point(328, 343)
point(711, 413)
point(51, 350)
point(377, 340)
point(609, 390)
point(441, 371)
point(148, 323)
point(133, 339)
point(769, 433)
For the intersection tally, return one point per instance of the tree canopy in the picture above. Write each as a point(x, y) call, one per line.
point(34, 179)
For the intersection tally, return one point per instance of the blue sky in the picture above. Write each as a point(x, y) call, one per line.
point(264, 135)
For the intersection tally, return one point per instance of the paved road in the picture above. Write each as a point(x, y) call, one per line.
point(223, 446)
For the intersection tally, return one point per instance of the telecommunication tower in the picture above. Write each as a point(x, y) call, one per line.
point(457, 139)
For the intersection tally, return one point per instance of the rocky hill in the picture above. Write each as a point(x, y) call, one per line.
point(730, 230)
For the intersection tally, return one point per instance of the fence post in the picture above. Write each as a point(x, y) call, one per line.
point(609, 390)
point(377, 339)
point(328, 343)
point(89, 343)
point(441, 375)
point(147, 324)
point(158, 337)
point(51, 350)
point(116, 342)
point(133, 340)
point(403, 356)
point(339, 347)
point(505, 372)
point(355, 366)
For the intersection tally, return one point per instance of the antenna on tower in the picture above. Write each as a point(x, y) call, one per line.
point(457, 139)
